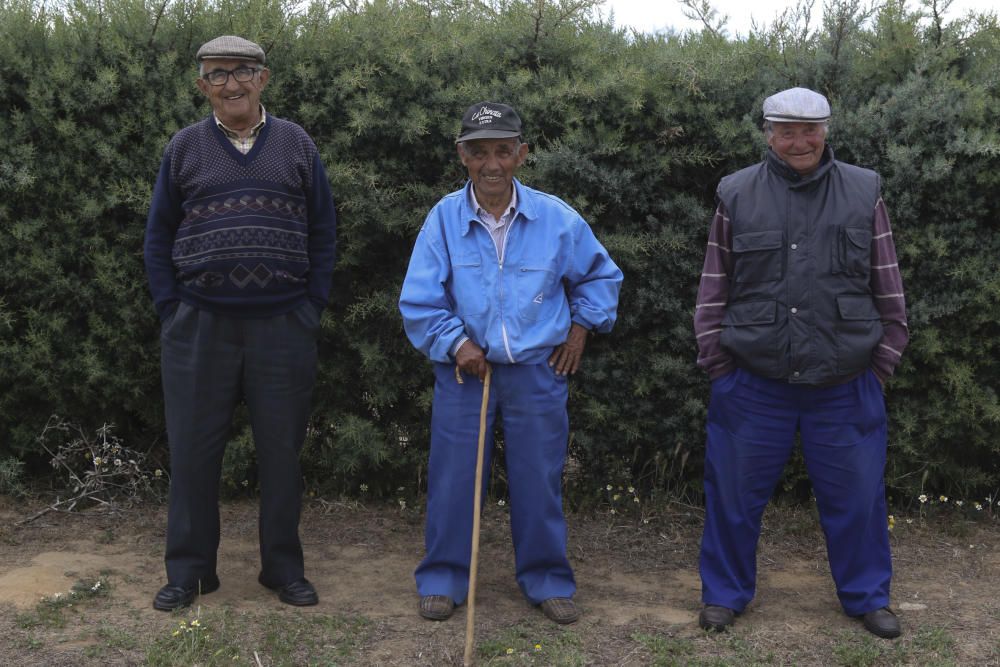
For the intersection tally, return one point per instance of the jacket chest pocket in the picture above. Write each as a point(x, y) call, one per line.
point(852, 251)
point(758, 257)
point(468, 287)
point(536, 294)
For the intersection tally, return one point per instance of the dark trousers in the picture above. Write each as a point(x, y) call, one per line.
point(531, 401)
point(209, 364)
point(752, 423)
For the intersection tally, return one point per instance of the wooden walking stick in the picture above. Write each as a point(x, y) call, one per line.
point(470, 623)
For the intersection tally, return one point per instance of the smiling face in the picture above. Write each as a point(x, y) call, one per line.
point(491, 164)
point(236, 104)
point(800, 145)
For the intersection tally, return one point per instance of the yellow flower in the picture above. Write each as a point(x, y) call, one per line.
point(609, 487)
point(615, 497)
point(175, 633)
point(922, 498)
point(892, 522)
point(943, 499)
point(538, 647)
point(195, 623)
point(158, 473)
point(510, 651)
point(631, 489)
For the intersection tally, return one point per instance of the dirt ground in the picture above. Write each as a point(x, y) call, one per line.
point(635, 580)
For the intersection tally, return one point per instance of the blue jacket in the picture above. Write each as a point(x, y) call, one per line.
point(554, 272)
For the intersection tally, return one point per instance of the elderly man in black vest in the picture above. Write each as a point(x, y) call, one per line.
point(800, 320)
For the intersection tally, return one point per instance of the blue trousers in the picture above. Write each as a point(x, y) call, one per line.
point(531, 400)
point(752, 424)
point(209, 364)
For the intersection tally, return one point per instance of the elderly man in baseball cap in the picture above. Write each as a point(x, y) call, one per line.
point(507, 277)
point(239, 252)
point(800, 320)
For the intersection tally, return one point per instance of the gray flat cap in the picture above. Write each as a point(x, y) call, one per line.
point(797, 105)
point(231, 46)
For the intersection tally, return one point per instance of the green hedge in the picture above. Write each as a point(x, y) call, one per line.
point(634, 131)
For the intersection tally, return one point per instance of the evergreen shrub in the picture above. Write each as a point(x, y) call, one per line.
point(633, 130)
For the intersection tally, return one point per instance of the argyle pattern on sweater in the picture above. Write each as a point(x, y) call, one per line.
point(243, 238)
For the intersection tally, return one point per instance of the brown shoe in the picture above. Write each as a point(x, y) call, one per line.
point(436, 607)
point(561, 610)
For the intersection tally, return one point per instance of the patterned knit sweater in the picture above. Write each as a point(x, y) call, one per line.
point(247, 236)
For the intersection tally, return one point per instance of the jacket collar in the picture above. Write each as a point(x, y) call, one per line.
point(794, 178)
point(525, 206)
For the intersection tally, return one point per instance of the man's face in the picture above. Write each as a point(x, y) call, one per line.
point(800, 145)
point(235, 103)
point(491, 164)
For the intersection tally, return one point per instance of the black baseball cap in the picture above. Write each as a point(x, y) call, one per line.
point(489, 120)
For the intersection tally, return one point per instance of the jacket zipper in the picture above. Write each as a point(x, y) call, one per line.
point(500, 258)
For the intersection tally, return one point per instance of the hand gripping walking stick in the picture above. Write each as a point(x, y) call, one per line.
point(470, 623)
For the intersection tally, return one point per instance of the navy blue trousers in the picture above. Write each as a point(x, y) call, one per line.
point(752, 424)
point(209, 364)
point(531, 400)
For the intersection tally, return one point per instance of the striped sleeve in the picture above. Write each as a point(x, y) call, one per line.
point(887, 288)
point(713, 295)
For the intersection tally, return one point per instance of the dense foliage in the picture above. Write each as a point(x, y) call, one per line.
point(632, 130)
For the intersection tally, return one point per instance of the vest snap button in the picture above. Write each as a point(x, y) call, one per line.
point(795, 246)
point(794, 310)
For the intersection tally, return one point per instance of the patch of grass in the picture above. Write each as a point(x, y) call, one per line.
point(928, 647)
point(739, 652)
point(114, 637)
point(858, 651)
point(666, 651)
point(525, 645)
point(223, 637)
point(50, 611)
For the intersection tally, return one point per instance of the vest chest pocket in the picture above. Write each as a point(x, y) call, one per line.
point(852, 251)
point(758, 256)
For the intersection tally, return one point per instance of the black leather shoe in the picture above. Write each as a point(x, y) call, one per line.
point(299, 593)
point(713, 617)
point(882, 623)
point(172, 597)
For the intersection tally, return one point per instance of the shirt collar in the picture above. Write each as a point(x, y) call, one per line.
point(522, 197)
point(508, 211)
point(232, 134)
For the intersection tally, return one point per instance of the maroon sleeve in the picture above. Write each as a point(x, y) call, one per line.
point(887, 288)
point(713, 295)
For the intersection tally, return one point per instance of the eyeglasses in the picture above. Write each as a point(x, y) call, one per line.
point(219, 77)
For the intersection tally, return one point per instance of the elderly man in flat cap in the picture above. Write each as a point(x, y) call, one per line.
point(800, 320)
point(239, 253)
point(508, 277)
